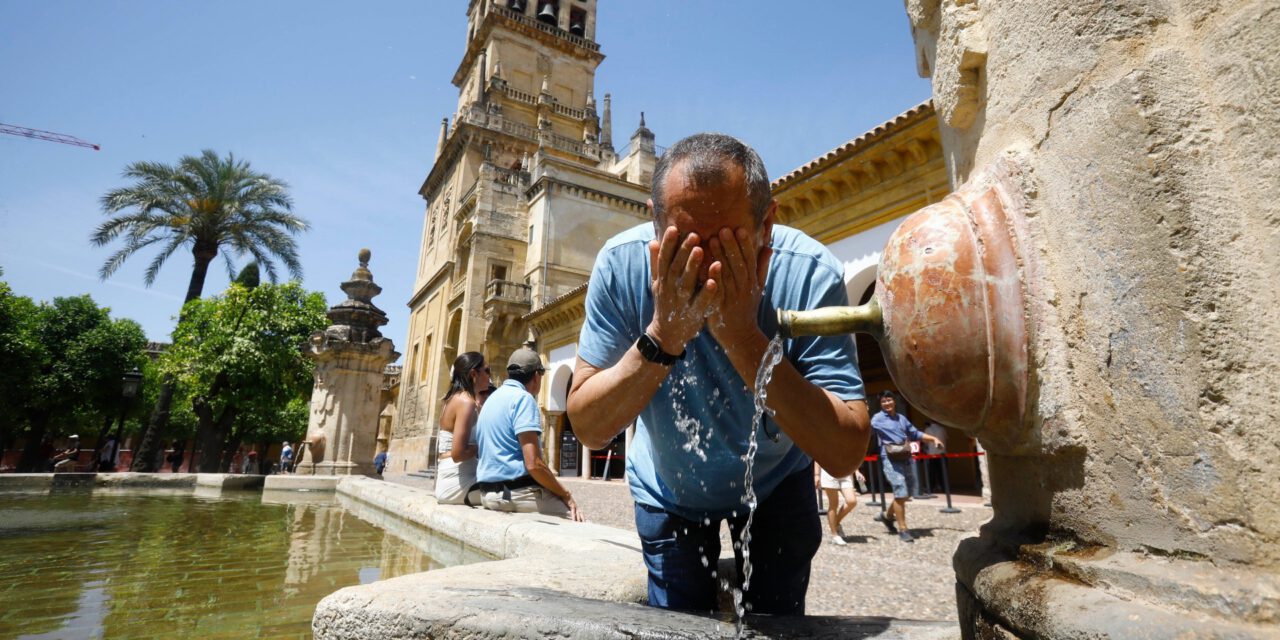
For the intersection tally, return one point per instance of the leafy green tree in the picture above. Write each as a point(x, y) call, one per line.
point(77, 354)
point(239, 356)
point(182, 422)
point(249, 276)
point(206, 204)
point(20, 354)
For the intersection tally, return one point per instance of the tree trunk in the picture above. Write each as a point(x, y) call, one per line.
point(215, 433)
point(229, 454)
point(33, 460)
point(144, 459)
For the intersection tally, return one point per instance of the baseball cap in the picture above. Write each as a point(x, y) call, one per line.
point(525, 360)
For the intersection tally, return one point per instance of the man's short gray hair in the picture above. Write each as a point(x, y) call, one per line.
point(704, 156)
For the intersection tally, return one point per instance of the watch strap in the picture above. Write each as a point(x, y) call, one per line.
point(652, 351)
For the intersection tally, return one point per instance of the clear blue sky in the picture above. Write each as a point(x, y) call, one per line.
point(344, 100)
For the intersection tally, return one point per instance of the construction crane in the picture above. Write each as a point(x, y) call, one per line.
point(46, 135)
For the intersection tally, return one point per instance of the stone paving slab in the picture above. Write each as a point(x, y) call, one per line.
point(873, 574)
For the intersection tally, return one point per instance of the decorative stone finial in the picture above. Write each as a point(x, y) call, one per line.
point(362, 272)
point(641, 119)
point(444, 134)
point(606, 123)
point(546, 83)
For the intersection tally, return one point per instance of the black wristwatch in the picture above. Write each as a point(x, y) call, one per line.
point(652, 351)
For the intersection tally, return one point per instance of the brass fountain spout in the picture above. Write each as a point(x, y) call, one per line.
point(830, 321)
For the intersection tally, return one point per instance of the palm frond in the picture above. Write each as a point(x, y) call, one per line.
point(153, 269)
point(203, 200)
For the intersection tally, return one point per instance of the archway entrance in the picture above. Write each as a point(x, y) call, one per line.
point(610, 463)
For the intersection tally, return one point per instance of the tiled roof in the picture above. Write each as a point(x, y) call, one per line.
point(857, 144)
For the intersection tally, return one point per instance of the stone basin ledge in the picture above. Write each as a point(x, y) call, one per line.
point(553, 578)
point(127, 480)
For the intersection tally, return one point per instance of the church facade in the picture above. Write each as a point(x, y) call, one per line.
point(525, 188)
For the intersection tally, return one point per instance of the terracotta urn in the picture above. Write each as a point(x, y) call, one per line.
point(950, 307)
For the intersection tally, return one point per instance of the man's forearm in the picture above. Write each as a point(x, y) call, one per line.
point(607, 400)
point(542, 474)
point(833, 433)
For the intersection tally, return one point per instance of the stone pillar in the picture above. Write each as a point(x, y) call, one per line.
point(350, 356)
point(1137, 496)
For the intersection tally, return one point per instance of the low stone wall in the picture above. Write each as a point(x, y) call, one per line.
point(552, 579)
point(127, 480)
point(295, 482)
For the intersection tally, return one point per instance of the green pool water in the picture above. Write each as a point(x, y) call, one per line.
point(81, 564)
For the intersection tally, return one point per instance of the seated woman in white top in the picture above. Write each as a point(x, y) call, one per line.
point(456, 448)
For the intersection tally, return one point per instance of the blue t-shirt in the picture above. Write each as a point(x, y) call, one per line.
point(895, 430)
point(687, 453)
point(509, 411)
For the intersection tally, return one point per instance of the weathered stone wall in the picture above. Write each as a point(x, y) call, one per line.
point(1148, 130)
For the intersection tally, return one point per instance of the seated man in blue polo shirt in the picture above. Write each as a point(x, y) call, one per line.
point(511, 475)
point(679, 313)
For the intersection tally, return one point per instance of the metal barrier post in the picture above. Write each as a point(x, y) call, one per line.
point(946, 487)
point(928, 486)
point(877, 482)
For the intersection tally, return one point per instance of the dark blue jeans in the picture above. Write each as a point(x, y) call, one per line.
point(681, 554)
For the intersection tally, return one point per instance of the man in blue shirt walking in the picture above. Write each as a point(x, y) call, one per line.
point(679, 314)
point(896, 433)
point(511, 475)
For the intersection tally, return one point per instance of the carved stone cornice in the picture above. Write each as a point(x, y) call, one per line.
point(876, 162)
point(547, 184)
point(567, 309)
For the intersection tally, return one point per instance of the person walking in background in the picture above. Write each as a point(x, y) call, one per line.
point(380, 462)
point(896, 434)
point(934, 465)
point(286, 458)
point(175, 457)
point(511, 474)
point(835, 487)
point(108, 456)
point(456, 445)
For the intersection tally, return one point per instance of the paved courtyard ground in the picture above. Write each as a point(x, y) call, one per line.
point(875, 574)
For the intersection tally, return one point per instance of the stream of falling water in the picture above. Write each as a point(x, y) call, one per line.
point(772, 356)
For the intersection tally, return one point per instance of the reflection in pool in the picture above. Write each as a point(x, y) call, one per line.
point(77, 564)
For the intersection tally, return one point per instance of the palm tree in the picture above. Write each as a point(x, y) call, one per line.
point(208, 204)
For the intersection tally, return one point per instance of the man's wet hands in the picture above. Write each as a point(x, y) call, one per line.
point(726, 299)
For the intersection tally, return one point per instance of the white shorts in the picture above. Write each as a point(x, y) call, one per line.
point(453, 479)
point(831, 482)
point(526, 500)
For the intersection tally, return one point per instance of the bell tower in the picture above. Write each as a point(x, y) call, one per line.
point(524, 189)
point(529, 73)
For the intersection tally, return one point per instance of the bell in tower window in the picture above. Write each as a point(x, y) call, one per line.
point(548, 12)
point(516, 5)
point(578, 22)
